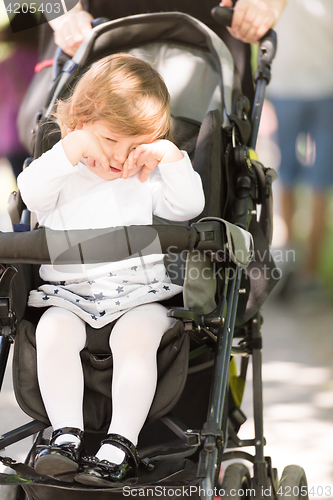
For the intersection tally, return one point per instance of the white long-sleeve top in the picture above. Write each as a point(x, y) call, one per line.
point(66, 197)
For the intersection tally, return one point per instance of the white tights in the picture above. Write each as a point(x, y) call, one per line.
point(134, 340)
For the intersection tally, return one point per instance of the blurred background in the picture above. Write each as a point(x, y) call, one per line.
point(296, 139)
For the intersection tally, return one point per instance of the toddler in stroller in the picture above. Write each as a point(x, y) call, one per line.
point(114, 167)
point(195, 416)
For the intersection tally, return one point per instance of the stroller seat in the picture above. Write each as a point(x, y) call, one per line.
point(97, 366)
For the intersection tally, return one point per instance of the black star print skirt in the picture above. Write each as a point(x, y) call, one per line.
point(102, 299)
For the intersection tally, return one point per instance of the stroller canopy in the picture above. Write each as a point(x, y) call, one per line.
point(196, 65)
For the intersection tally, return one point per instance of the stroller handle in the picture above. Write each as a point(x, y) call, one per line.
point(222, 15)
point(266, 54)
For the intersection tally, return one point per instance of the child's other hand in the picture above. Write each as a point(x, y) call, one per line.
point(81, 144)
point(147, 157)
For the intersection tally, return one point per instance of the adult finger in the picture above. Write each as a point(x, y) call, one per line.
point(84, 20)
point(238, 18)
point(226, 3)
point(267, 22)
point(67, 42)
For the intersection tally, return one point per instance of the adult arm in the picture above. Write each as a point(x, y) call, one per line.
point(71, 29)
point(253, 18)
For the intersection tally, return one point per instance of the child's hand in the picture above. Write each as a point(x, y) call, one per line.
point(83, 144)
point(146, 157)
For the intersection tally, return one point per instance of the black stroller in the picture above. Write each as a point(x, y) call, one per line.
point(223, 258)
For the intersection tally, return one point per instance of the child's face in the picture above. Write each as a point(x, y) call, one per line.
point(115, 146)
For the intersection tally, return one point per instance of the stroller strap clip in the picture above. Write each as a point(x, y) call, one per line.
point(69, 66)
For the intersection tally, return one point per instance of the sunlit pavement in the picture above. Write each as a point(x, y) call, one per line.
point(297, 392)
point(298, 384)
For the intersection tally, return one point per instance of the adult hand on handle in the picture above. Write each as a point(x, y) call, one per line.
point(253, 18)
point(71, 29)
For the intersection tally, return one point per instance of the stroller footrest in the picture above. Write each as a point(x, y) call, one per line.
point(189, 436)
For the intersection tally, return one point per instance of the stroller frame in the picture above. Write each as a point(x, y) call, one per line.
point(206, 236)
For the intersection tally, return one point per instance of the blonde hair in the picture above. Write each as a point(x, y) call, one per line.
point(123, 92)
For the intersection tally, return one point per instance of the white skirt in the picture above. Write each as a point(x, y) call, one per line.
point(105, 298)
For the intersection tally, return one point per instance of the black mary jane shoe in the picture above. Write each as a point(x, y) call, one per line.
point(103, 473)
point(59, 460)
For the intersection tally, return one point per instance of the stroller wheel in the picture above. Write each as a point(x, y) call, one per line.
point(293, 484)
point(236, 483)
